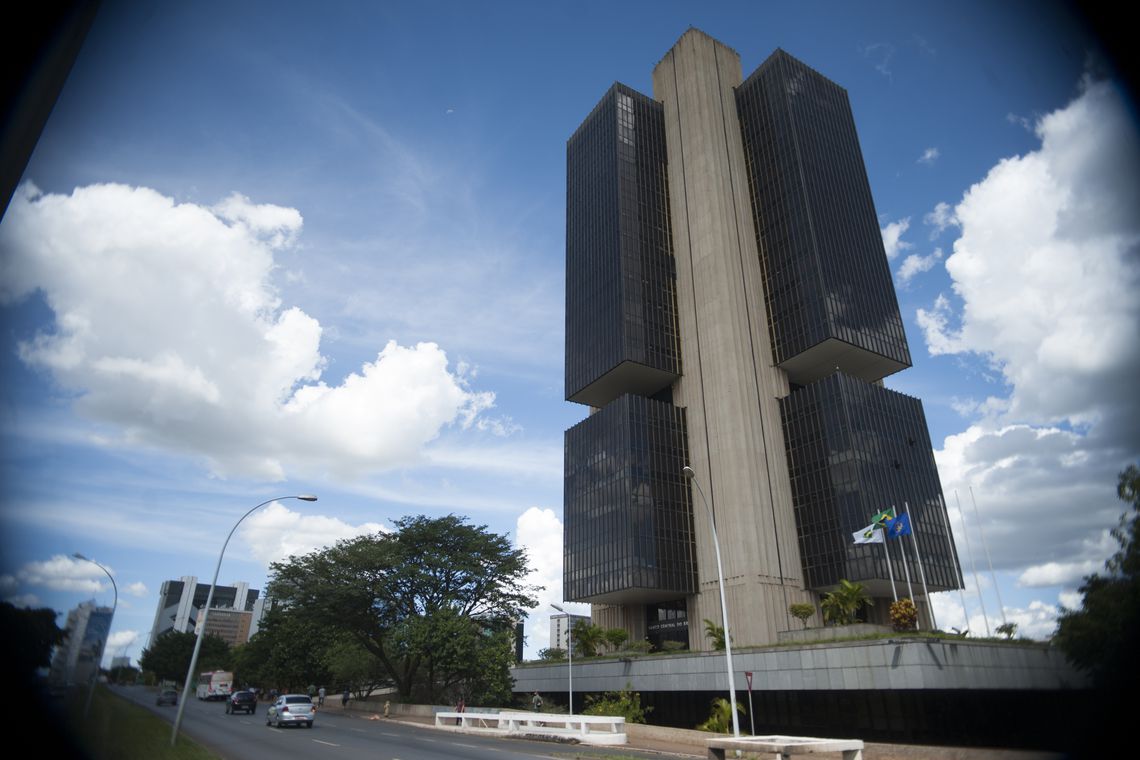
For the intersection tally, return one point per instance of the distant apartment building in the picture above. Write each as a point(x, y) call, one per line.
point(77, 659)
point(180, 602)
point(560, 626)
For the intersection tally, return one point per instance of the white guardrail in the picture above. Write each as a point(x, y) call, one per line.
point(588, 729)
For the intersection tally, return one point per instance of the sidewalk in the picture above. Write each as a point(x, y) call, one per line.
point(679, 742)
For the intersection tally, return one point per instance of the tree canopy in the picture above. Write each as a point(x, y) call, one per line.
point(169, 657)
point(31, 635)
point(432, 601)
point(1101, 636)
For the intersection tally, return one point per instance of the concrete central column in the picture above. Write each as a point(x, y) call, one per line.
point(729, 386)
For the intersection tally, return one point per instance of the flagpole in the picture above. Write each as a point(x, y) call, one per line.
point(961, 579)
point(902, 550)
point(986, 547)
point(921, 572)
point(890, 572)
point(973, 564)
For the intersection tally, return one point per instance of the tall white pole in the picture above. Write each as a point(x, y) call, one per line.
point(902, 551)
point(890, 571)
point(570, 656)
point(961, 580)
point(206, 613)
point(688, 471)
point(986, 549)
point(973, 565)
point(918, 558)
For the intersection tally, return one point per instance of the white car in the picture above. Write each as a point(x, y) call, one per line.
point(291, 709)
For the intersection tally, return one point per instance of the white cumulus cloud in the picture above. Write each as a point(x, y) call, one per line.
point(941, 217)
point(929, 156)
point(1058, 573)
point(1047, 269)
point(167, 328)
point(276, 532)
point(914, 265)
point(892, 237)
point(539, 531)
point(62, 573)
point(1045, 273)
point(138, 588)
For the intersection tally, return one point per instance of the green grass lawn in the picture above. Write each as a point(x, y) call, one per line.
point(116, 729)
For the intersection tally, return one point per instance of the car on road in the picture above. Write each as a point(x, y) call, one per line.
point(167, 697)
point(291, 709)
point(241, 701)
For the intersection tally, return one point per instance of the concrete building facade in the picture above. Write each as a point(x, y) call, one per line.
point(180, 602)
point(729, 307)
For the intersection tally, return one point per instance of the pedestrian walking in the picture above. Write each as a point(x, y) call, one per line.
point(387, 707)
point(321, 697)
point(536, 702)
point(460, 708)
point(344, 698)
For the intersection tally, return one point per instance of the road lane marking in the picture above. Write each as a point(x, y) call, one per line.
point(385, 733)
point(318, 741)
point(468, 746)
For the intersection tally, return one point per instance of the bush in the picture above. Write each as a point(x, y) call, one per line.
point(622, 704)
point(720, 718)
point(802, 612)
point(904, 615)
point(639, 647)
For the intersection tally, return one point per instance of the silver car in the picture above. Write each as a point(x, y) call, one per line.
point(291, 709)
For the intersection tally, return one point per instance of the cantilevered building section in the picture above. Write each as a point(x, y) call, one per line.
point(181, 601)
point(730, 307)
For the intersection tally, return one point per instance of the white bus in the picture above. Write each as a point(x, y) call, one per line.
point(217, 684)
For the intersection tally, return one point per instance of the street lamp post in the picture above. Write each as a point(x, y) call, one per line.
point(688, 471)
point(569, 655)
point(206, 613)
point(115, 606)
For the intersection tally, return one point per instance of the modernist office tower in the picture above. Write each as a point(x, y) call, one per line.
point(729, 307)
point(180, 602)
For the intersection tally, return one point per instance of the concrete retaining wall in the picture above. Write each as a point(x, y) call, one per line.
point(879, 664)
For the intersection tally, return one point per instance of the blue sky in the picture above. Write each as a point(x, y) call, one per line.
point(265, 250)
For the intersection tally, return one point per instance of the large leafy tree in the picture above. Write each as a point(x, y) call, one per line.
point(31, 635)
point(287, 653)
point(169, 656)
point(423, 599)
point(1101, 636)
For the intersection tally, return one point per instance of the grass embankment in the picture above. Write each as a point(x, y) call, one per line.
point(116, 729)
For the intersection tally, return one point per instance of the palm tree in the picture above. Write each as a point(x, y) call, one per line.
point(716, 633)
point(587, 638)
point(842, 605)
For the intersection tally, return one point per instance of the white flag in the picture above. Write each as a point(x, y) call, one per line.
point(872, 534)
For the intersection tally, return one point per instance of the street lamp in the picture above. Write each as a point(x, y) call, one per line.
point(206, 613)
point(115, 606)
point(688, 472)
point(569, 654)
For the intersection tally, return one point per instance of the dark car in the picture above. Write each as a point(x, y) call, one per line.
point(167, 697)
point(241, 701)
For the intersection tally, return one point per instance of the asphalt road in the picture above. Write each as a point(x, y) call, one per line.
point(341, 736)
